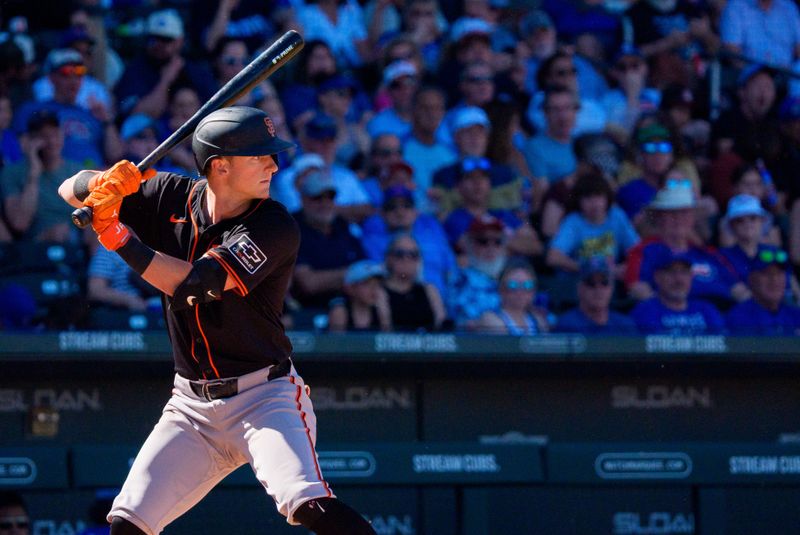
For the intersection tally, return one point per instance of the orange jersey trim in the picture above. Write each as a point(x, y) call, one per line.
point(241, 289)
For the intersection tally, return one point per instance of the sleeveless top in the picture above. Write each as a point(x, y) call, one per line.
point(374, 320)
point(531, 326)
point(411, 311)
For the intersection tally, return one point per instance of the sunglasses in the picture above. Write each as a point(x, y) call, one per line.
point(72, 70)
point(520, 285)
point(232, 60)
point(472, 164)
point(769, 256)
point(656, 147)
point(602, 282)
point(405, 253)
point(566, 72)
point(19, 522)
point(327, 196)
point(497, 242)
point(397, 205)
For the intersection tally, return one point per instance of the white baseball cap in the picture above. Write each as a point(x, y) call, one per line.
point(470, 116)
point(165, 23)
point(744, 205)
point(398, 69)
point(674, 198)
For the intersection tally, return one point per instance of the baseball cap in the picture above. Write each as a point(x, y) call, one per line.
point(743, 205)
point(790, 109)
point(470, 116)
point(165, 23)
point(652, 132)
point(485, 223)
point(397, 192)
point(593, 265)
point(663, 257)
point(60, 57)
point(321, 126)
point(317, 183)
point(535, 20)
point(751, 71)
point(674, 198)
point(307, 161)
point(398, 69)
point(363, 270)
point(469, 26)
point(769, 255)
point(135, 124)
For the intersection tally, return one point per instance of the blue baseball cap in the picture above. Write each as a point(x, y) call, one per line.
point(135, 124)
point(769, 255)
point(363, 270)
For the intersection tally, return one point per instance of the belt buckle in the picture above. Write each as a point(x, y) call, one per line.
point(206, 389)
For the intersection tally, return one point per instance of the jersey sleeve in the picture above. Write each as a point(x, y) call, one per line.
point(145, 211)
point(264, 242)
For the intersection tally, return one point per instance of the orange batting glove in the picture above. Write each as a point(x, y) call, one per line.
point(123, 178)
point(105, 218)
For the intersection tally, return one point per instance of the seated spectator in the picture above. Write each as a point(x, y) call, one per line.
point(421, 149)
point(341, 26)
point(678, 106)
point(139, 135)
point(764, 31)
point(471, 131)
point(673, 212)
point(549, 154)
point(10, 150)
point(31, 204)
point(243, 20)
point(150, 79)
point(327, 247)
point(593, 314)
point(401, 80)
point(364, 305)
point(473, 188)
point(672, 311)
point(595, 226)
point(768, 312)
point(469, 42)
point(415, 305)
point(90, 137)
point(631, 96)
point(477, 89)
point(505, 147)
point(473, 289)
point(516, 314)
point(265, 97)
point(399, 214)
point(559, 70)
point(286, 185)
point(184, 102)
point(299, 96)
point(112, 283)
point(335, 98)
point(14, 517)
point(384, 152)
point(423, 26)
point(745, 226)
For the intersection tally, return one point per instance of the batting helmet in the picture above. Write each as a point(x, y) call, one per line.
point(235, 131)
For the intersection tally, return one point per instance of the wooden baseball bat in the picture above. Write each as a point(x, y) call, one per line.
point(269, 61)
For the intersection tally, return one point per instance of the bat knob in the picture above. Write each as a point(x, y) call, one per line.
point(82, 217)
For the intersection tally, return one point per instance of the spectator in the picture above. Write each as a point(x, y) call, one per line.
point(384, 153)
point(469, 42)
point(672, 311)
point(139, 135)
point(88, 135)
point(183, 104)
point(516, 314)
point(474, 188)
point(423, 22)
point(415, 305)
point(403, 48)
point(10, 150)
point(593, 314)
point(673, 212)
point(766, 31)
point(230, 56)
point(315, 65)
point(786, 189)
point(327, 247)
point(112, 283)
point(93, 95)
point(319, 137)
point(477, 89)
point(678, 108)
point(400, 215)
point(30, 199)
point(243, 20)
point(745, 226)
point(472, 141)
point(364, 306)
point(473, 289)
point(767, 313)
point(340, 25)
point(630, 97)
point(14, 517)
point(421, 149)
point(549, 154)
point(560, 70)
point(594, 227)
point(401, 80)
point(335, 97)
point(150, 79)
point(506, 143)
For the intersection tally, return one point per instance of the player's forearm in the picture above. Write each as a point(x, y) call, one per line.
point(166, 272)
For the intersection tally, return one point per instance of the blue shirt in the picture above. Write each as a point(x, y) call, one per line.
point(634, 196)
point(575, 321)
point(750, 317)
point(578, 238)
point(549, 159)
point(769, 36)
point(472, 293)
point(389, 122)
point(425, 160)
point(652, 317)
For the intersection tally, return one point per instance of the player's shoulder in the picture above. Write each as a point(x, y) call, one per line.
point(168, 184)
point(271, 214)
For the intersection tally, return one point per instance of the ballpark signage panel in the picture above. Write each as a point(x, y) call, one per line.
point(35, 467)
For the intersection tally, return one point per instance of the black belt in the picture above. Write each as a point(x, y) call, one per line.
point(225, 388)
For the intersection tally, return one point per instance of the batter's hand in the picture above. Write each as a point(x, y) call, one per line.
point(123, 178)
point(105, 217)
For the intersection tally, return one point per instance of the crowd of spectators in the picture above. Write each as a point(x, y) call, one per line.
point(498, 166)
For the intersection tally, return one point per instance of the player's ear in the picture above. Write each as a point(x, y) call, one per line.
point(220, 166)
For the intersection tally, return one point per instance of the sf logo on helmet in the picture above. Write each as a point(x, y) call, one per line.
point(270, 126)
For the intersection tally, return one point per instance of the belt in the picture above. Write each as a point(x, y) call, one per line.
point(225, 388)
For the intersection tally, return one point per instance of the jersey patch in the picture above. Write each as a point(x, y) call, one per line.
point(248, 254)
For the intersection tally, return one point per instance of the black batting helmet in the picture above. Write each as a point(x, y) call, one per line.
point(235, 131)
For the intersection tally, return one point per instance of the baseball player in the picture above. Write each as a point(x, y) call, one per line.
point(222, 252)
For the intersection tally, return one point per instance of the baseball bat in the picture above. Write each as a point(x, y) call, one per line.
point(269, 61)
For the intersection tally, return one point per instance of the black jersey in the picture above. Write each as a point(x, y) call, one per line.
point(242, 331)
